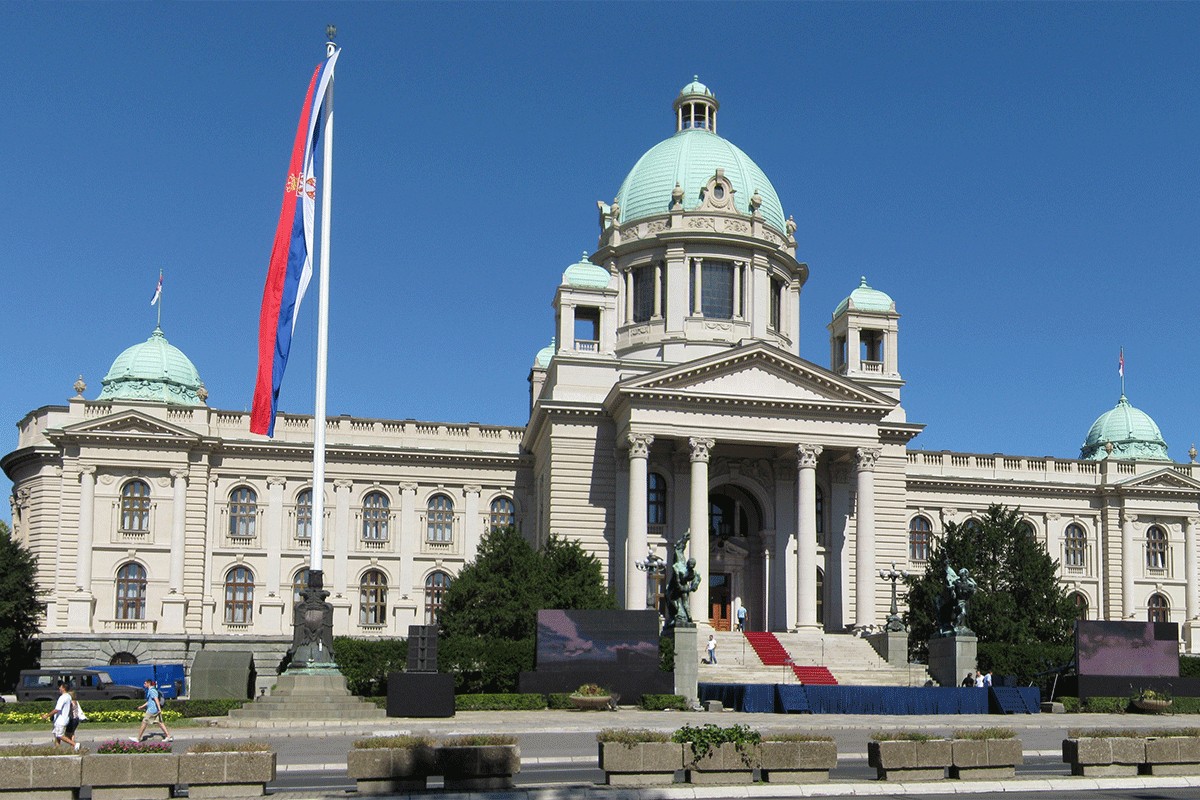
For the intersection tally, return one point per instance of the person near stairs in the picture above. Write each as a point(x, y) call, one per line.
point(712, 649)
point(741, 618)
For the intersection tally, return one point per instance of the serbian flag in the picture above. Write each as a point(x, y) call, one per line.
point(291, 256)
point(1121, 363)
point(157, 289)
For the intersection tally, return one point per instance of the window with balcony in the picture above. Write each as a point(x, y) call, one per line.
point(920, 534)
point(1075, 546)
point(131, 591)
point(304, 514)
point(439, 521)
point(503, 513)
point(1156, 548)
point(243, 512)
point(239, 596)
point(375, 514)
point(587, 329)
point(135, 507)
point(435, 592)
point(372, 598)
point(1158, 609)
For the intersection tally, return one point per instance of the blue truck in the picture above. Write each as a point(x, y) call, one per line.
point(168, 677)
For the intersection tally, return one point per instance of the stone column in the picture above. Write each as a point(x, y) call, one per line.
point(1129, 561)
point(1189, 561)
point(628, 296)
point(864, 564)
point(178, 519)
point(738, 270)
point(658, 293)
point(472, 523)
point(87, 516)
point(806, 545)
point(636, 534)
point(697, 288)
point(698, 524)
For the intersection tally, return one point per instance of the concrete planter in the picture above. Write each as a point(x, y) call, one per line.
point(1104, 756)
point(1172, 755)
point(481, 768)
point(41, 777)
point(797, 762)
point(215, 776)
point(391, 770)
point(640, 764)
point(590, 702)
point(125, 776)
point(985, 759)
point(723, 765)
point(902, 760)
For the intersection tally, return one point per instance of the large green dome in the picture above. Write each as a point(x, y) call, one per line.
point(154, 370)
point(690, 158)
point(1132, 433)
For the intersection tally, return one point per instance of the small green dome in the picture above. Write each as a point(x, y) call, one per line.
point(154, 370)
point(864, 298)
point(542, 359)
point(586, 275)
point(696, 87)
point(1130, 431)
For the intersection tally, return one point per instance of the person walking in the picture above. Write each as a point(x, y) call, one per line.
point(741, 618)
point(153, 712)
point(61, 717)
point(712, 649)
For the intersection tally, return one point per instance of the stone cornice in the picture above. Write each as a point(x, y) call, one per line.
point(993, 486)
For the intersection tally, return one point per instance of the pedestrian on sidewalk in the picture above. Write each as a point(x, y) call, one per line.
point(153, 712)
point(61, 717)
point(712, 649)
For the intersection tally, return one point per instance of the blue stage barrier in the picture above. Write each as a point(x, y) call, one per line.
point(793, 698)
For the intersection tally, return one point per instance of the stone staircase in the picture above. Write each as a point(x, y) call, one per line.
point(852, 661)
point(303, 697)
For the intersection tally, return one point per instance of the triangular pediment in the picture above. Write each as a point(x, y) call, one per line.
point(128, 424)
point(1165, 478)
point(757, 373)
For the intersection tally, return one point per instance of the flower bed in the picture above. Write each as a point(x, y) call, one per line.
point(479, 763)
point(719, 756)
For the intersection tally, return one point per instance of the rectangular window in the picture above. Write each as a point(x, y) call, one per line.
point(776, 302)
point(587, 329)
point(643, 293)
point(716, 279)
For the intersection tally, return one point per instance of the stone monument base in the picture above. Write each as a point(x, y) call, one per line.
point(307, 694)
point(952, 657)
point(892, 646)
point(687, 662)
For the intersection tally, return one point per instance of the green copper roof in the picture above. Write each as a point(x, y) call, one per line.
point(864, 298)
point(542, 359)
point(695, 87)
point(1132, 433)
point(154, 370)
point(586, 275)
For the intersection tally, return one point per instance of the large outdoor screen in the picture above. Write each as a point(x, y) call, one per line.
point(1127, 648)
point(628, 639)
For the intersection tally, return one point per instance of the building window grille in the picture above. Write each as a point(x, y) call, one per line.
point(440, 519)
point(503, 513)
point(375, 513)
point(819, 505)
point(656, 499)
point(243, 512)
point(239, 596)
point(135, 507)
point(717, 289)
point(920, 531)
point(131, 591)
point(643, 293)
point(1156, 548)
point(1158, 609)
point(1075, 546)
point(372, 598)
point(435, 592)
point(304, 512)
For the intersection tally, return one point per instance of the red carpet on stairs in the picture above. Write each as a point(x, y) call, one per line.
point(772, 654)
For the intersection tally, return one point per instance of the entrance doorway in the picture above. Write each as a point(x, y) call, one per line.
point(719, 601)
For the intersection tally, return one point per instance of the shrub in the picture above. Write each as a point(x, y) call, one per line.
point(666, 654)
point(18, 750)
point(367, 662)
point(20, 718)
point(904, 736)
point(1024, 661)
point(663, 702)
point(479, 740)
point(1106, 705)
point(1189, 666)
point(127, 747)
point(631, 736)
point(1070, 704)
point(1104, 733)
point(795, 736)
point(196, 708)
point(499, 702)
point(229, 747)
point(985, 733)
point(394, 742)
point(706, 736)
point(559, 701)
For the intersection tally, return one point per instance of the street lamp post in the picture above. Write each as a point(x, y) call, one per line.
point(655, 568)
point(894, 623)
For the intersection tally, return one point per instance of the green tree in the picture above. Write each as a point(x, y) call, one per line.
point(489, 613)
point(1019, 600)
point(19, 608)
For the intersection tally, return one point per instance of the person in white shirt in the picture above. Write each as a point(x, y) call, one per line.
point(978, 680)
point(61, 715)
point(712, 650)
point(987, 678)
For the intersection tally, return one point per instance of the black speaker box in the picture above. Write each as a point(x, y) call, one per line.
point(422, 648)
point(420, 694)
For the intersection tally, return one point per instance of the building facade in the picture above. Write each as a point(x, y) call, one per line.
point(671, 400)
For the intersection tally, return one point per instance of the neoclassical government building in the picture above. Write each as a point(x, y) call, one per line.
point(672, 398)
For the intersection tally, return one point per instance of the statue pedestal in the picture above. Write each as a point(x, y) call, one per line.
point(892, 646)
point(952, 657)
point(687, 661)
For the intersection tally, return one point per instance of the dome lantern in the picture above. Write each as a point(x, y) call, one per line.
point(696, 108)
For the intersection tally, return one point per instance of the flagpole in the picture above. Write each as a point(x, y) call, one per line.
point(159, 303)
point(316, 577)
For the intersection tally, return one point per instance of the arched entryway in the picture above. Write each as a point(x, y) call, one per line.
point(735, 558)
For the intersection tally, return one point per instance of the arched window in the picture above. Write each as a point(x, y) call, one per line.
point(239, 596)
point(375, 513)
point(971, 525)
point(372, 598)
point(1156, 548)
point(131, 591)
point(1026, 529)
point(123, 659)
point(435, 591)
point(503, 513)
point(1075, 546)
point(1081, 604)
point(920, 531)
point(243, 512)
point(304, 511)
point(440, 519)
point(135, 506)
point(299, 582)
point(656, 499)
point(1158, 609)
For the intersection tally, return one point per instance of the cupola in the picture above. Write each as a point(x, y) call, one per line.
point(154, 370)
point(696, 108)
point(1124, 432)
point(864, 339)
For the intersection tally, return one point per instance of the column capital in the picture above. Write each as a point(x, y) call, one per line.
point(179, 473)
point(701, 448)
point(639, 444)
point(408, 486)
point(1191, 521)
point(865, 458)
point(472, 489)
point(276, 480)
point(87, 469)
point(806, 455)
point(1130, 518)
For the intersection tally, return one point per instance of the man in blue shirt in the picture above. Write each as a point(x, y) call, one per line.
point(153, 707)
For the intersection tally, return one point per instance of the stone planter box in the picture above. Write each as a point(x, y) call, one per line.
point(215, 776)
point(723, 765)
point(391, 770)
point(640, 764)
point(797, 762)
point(1104, 757)
point(124, 776)
point(985, 759)
point(483, 768)
point(902, 760)
point(585, 702)
point(41, 777)
point(1172, 755)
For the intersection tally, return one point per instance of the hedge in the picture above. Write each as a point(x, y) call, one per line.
point(1120, 705)
point(664, 702)
point(184, 708)
point(499, 702)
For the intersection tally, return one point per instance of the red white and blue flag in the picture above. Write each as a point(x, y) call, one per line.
point(157, 289)
point(291, 256)
point(1121, 363)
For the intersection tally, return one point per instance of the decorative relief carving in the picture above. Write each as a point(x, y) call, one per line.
point(702, 223)
point(658, 226)
point(736, 226)
point(717, 326)
point(106, 479)
point(639, 445)
point(806, 455)
point(21, 497)
point(163, 481)
point(865, 458)
point(701, 448)
point(472, 489)
point(275, 480)
point(631, 233)
point(757, 469)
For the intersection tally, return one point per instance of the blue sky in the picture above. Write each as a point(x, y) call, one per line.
point(1022, 178)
